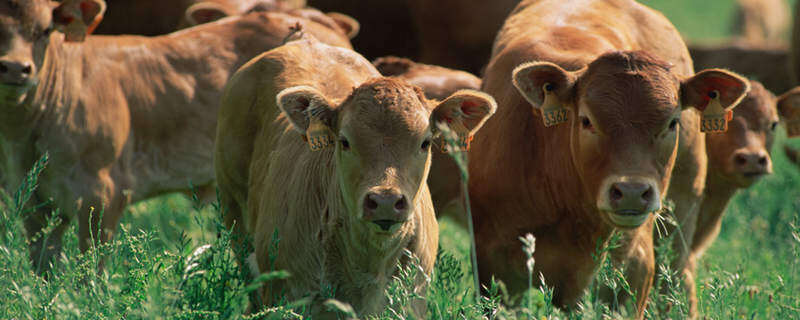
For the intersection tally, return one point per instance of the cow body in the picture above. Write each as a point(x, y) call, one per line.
point(769, 64)
point(525, 177)
point(153, 17)
point(273, 183)
point(127, 118)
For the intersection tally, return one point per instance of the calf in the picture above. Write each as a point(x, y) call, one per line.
point(350, 196)
point(740, 157)
point(621, 78)
point(124, 118)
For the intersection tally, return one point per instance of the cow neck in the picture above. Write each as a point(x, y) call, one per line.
point(356, 262)
point(716, 196)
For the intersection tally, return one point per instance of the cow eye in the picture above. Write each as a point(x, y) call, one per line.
point(673, 124)
point(426, 144)
point(773, 126)
point(46, 32)
point(586, 123)
point(345, 144)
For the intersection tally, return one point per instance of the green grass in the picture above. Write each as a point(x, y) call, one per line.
point(171, 259)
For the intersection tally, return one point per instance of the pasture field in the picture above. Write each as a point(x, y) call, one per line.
point(171, 258)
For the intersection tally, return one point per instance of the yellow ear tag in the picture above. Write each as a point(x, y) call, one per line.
point(553, 112)
point(462, 136)
point(318, 134)
point(715, 118)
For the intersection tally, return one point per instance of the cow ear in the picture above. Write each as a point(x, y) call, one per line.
point(204, 12)
point(547, 87)
point(347, 23)
point(309, 113)
point(464, 112)
point(78, 18)
point(715, 92)
point(789, 111)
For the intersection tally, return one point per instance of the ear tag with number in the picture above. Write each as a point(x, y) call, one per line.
point(553, 112)
point(715, 118)
point(318, 134)
point(462, 134)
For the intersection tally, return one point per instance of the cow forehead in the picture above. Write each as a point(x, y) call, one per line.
point(623, 98)
point(386, 107)
point(757, 106)
point(24, 14)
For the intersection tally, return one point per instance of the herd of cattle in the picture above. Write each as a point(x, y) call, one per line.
point(588, 116)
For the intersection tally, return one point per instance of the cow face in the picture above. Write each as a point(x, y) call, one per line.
point(741, 154)
point(382, 135)
point(624, 109)
point(25, 30)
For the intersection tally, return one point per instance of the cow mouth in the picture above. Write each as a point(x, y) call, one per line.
point(749, 178)
point(13, 92)
point(387, 226)
point(628, 218)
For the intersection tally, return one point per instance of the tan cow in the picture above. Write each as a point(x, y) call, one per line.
point(124, 118)
point(620, 79)
point(739, 158)
point(156, 17)
point(347, 202)
point(761, 21)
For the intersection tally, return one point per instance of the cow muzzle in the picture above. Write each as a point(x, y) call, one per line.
point(16, 78)
point(629, 201)
point(387, 209)
point(750, 166)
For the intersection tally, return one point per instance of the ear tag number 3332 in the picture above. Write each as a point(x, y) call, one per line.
point(715, 118)
point(553, 112)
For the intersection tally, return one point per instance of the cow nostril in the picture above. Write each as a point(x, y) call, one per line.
point(648, 194)
point(401, 204)
point(27, 69)
point(615, 193)
point(370, 204)
point(740, 160)
point(762, 161)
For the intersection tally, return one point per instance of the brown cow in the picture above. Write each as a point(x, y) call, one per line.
point(124, 118)
point(738, 158)
point(154, 17)
point(343, 214)
point(761, 21)
point(609, 167)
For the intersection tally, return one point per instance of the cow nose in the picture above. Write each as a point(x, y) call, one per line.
point(753, 163)
point(634, 197)
point(385, 209)
point(15, 72)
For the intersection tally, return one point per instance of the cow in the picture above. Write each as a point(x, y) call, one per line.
point(761, 21)
point(124, 118)
point(767, 63)
point(597, 102)
point(153, 17)
point(739, 158)
point(314, 145)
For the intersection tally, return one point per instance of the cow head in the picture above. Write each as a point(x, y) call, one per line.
point(25, 31)
point(741, 154)
point(624, 109)
point(382, 136)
